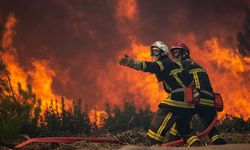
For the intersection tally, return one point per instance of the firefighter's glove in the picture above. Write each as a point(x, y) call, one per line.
point(196, 93)
point(125, 61)
point(130, 62)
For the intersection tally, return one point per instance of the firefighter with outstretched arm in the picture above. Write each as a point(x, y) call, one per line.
point(174, 108)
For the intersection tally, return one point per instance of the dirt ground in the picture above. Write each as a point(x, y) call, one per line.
point(134, 140)
point(221, 147)
point(135, 147)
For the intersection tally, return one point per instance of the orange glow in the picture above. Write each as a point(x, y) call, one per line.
point(97, 117)
point(127, 9)
point(129, 84)
point(126, 17)
point(9, 57)
point(152, 89)
point(40, 76)
point(9, 33)
point(228, 71)
point(41, 80)
point(229, 76)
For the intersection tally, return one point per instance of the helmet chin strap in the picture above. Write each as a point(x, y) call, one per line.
point(178, 57)
point(158, 57)
point(155, 58)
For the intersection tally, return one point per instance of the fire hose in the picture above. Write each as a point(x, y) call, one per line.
point(104, 140)
point(66, 140)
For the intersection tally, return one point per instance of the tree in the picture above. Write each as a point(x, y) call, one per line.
point(51, 120)
point(15, 108)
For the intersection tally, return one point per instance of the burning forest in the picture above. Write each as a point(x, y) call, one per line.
point(60, 61)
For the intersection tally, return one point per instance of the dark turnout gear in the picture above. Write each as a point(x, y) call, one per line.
point(174, 108)
point(206, 114)
point(201, 82)
point(164, 118)
point(174, 80)
point(206, 106)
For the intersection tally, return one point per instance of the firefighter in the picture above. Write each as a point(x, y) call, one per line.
point(205, 108)
point(173, 108)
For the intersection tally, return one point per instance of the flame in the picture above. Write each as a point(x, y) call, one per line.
point(126, 83)
point(41, 80)
point(9, 55)
point(228, 71)
point(229, 74)
point(152, 88)
point(40, 76)
point(97, 117)
point(9, 33)
point(130, 84)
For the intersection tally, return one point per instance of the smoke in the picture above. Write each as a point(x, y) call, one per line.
point(244, 36)
point(83, 39)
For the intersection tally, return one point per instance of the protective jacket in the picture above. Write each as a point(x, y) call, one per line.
point(206, 108)
point(173, 77)
point(201, 81)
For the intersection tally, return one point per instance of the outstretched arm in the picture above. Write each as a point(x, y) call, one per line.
point(130, 62)
point(153, 67)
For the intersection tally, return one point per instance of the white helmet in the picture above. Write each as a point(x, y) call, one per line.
point(162, 46)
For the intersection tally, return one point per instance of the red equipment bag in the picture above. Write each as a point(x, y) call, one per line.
point(189, 96)
point(192, 95)
point(218, 102)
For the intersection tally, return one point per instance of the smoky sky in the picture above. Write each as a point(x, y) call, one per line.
point(74, 35)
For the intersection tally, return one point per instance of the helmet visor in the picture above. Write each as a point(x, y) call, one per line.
point(155, 51)
point(176, 52)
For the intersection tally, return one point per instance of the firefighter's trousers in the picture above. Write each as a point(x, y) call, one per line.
point(207, 115)
point(164, 119)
